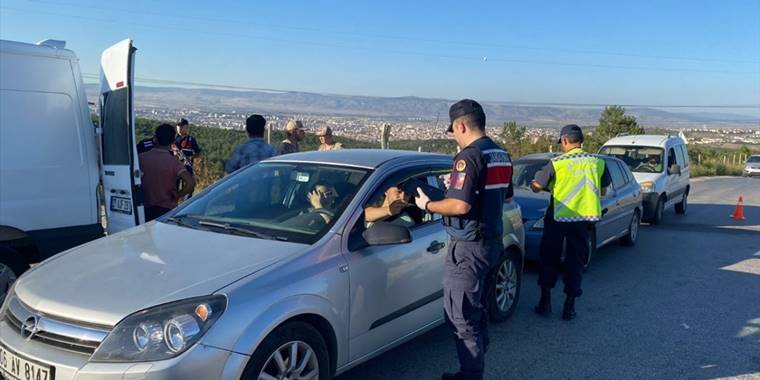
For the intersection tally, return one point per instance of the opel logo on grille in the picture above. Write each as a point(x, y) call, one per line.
point(30, 327)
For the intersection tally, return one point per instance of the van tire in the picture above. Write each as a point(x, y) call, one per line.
point(683, 204)
point(659, 210)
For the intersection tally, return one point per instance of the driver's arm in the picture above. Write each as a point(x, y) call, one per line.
point(373, 214)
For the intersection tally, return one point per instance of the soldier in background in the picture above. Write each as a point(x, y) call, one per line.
point(295, 132)
point(326, 140)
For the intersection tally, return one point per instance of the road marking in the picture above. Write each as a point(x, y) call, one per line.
point(751, 266)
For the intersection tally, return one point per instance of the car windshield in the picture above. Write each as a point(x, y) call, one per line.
point(639, 159)
point(525, 170)
point(754, 159)
point(283, 201)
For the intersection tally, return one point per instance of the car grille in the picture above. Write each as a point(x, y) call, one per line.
point(55, 332)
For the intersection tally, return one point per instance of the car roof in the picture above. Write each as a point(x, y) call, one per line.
point(537, 157)
point(643, 140)
point(362, 158)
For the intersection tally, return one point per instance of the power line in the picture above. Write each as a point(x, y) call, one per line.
point(405, 38)
point(554, 104)
point(400, 52)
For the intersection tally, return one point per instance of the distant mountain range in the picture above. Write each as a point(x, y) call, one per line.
point(215, 100)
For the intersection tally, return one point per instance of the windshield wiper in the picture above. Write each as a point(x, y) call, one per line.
point(176, 220)
point(239, 230)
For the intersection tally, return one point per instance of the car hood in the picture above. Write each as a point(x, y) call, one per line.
point(533, 205)
point(105, 280)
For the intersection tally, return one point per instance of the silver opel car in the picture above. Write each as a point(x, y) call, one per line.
point(274, 272)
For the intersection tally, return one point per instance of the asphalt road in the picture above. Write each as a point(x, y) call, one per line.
point(683, 303)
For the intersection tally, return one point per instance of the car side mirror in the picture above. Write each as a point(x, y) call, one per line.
point(384, 233)
point(675, 169)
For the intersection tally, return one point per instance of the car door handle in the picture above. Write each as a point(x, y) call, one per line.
point(604, 211)
point(435, 246)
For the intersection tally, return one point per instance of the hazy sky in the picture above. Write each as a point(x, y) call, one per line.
point(635, 52)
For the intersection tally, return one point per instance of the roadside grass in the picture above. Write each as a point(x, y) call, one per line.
point(715, 168)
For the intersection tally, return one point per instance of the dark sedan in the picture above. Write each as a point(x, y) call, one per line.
point(621, 205)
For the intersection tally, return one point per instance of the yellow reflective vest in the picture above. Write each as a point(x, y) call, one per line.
point(576, 187)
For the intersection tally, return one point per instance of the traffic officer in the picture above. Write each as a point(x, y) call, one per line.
point(472, 210)
point(574, 179)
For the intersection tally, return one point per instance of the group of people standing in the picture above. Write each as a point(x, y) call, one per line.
point(257, 149)
point(167, 159)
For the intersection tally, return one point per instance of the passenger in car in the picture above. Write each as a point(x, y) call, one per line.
point(391, 208)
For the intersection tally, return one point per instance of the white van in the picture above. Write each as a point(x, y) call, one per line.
point(50, 165)
point(660, 165)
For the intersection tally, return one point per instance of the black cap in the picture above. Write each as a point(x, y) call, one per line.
point(570, 130)
point(465, 107)
point(182, 122)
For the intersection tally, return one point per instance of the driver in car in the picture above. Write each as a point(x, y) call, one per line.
point(322, 200)
point(651, 165)
point(390, 207)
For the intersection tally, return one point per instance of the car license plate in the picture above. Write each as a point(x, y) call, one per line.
point(13, 366)
point(122, 205)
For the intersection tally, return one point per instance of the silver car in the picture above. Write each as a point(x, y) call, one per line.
point(271, 273)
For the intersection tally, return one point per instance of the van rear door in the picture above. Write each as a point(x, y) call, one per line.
point(120, 169)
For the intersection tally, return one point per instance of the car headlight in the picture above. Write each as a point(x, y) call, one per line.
point(647, 186)
point(161, 332)
point(539, 224)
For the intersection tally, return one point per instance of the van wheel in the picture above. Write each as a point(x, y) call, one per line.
point(295, 350)
point(633, 230)
point(658, 212)
point(682, 205)
point(505, 288)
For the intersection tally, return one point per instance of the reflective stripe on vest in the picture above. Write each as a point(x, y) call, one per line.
point(575, 192)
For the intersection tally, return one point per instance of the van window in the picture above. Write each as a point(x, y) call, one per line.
point(683, 156)
point(671, 158)
point(116, 132)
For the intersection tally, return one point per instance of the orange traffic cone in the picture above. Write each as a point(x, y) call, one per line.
point(739, 212)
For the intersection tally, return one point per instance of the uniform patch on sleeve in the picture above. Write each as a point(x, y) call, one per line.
point(457, 180)
point(460, 166)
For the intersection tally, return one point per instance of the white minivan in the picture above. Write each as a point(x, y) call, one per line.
point(53, 160)
point(660, 165)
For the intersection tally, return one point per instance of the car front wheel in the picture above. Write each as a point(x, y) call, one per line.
point(295, 350)
point(505, 288)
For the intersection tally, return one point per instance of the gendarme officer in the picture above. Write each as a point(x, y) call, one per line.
point(480, 184)
point(574, 179)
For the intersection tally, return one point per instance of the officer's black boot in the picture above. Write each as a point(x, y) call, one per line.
point(544, 306)
point(569, 311)
point(452, 376)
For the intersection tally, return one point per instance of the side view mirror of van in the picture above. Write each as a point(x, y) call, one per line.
point(383, 233)
point(674, 169)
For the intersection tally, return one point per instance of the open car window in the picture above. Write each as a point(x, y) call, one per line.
point(295, 202)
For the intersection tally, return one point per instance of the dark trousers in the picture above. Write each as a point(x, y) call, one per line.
point(575, 237)
point(465, 296)
point(154, 212)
